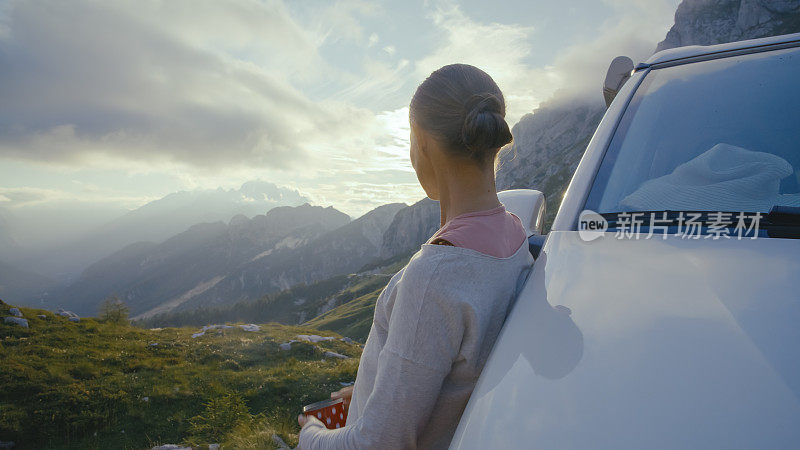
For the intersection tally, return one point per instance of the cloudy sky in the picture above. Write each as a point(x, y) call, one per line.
point(109, 105)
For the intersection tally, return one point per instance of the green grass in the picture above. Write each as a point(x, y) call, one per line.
point(99, 385)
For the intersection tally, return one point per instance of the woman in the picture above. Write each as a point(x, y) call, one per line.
point(438, 317)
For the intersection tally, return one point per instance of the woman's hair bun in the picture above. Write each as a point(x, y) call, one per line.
point(463, 107)
point(485, 126)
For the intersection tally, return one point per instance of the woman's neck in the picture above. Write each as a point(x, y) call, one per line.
point(466, 189)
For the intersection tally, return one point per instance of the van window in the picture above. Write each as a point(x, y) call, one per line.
point(718, 135)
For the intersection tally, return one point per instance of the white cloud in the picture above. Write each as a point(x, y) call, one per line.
point(640, 24)
point(498, 49)
point(28, 196)
point(373, 39)
point(202, 84)
point(341, 21)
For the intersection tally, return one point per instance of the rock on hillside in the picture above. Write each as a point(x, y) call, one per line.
point(16, 320)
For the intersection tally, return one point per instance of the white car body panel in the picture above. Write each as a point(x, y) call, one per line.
point(626, 368)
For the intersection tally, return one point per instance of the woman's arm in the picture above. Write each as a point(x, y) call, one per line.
point(423, 339)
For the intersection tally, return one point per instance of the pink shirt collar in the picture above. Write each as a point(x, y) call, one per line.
point(494, 231)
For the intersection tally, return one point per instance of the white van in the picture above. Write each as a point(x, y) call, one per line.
point(663, 310)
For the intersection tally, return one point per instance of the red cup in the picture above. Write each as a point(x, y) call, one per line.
point(332, 413)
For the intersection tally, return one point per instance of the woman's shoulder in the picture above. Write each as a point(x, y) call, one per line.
point(421, 266)
point(421, 277)
point(443, 270)
point(417, 272)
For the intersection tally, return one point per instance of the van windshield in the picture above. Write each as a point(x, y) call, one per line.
point(718, 135)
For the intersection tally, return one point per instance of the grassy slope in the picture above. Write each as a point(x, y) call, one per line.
point(290, 306)
point(281, 307)
point(355, 297)
point(67, 385)
point(354, 318)
point(360, 286)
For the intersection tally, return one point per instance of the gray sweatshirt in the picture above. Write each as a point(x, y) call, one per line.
point(434, 325)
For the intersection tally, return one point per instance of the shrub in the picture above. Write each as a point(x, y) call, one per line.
point(114, 310)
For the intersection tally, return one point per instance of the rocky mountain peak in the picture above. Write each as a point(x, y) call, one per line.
point(312, 214)
point(708, 22)
point(239, 220)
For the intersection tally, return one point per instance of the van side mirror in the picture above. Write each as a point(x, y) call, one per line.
point(618, 73)
point(528, 205)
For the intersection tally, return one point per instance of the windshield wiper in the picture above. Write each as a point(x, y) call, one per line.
point(783, 222)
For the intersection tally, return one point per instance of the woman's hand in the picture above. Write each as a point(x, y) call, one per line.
point(345, 393)
point(303, 420)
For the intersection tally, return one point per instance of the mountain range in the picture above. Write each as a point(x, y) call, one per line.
point(155, 221)
point(340, 251)
point(215, 263)
point(148, 274)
